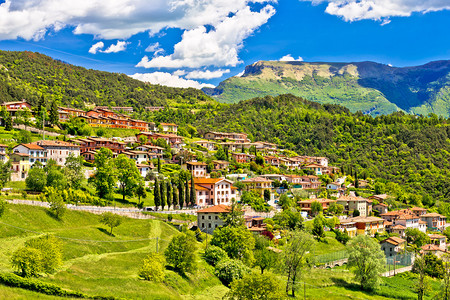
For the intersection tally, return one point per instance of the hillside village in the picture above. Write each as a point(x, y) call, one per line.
point(218, 172)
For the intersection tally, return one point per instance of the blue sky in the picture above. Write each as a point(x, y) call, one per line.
point(197, 43)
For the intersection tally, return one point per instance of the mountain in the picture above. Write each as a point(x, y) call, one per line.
point(360, 86)
point(29, 75)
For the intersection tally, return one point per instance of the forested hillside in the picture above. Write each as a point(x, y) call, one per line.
point(411, 150)
point(370, 87)
point(28, 75)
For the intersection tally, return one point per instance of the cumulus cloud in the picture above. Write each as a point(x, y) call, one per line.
point(114, 48)
point(168, 79)
point(198, 74)
point(217, 47)
point(289, 57)
point(355, 10)
point(96, 47)
point(179, 73)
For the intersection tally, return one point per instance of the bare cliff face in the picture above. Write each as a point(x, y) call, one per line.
point(367, 86)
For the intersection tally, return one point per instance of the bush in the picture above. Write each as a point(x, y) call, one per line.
point(37, 286)
point(230, 269)
point(214, 255)
point(153, 268)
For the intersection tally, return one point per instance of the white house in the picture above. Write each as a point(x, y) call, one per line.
point(214, 191)
point(393, 245)
point(58, 150)
point(209, 218)
point(197, 168)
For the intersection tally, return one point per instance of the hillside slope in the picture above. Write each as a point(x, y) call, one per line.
point(28, 75)
point(362, 86)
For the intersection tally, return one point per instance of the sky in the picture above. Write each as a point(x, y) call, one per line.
point(198, 43)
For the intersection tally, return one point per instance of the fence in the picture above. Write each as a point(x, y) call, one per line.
point(400, 260)
point(330, 257)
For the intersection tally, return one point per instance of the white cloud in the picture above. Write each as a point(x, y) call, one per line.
point(120, 46)
point(155, 48)
point(289, 57)
point(217, 47)
point(97, 46)
point(355, 10)
point(168, 79)
point(197, 74)
point(179, 73)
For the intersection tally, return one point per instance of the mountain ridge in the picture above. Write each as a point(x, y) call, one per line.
point(360, 86)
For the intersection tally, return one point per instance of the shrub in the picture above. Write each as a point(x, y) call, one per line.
point(37, 286)
point(228, 270)
point(214, 254)
point(153, 268)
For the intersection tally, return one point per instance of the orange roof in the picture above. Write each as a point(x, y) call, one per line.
point(418, 208)
point(54, 143)
point(431, 247)
point(32, 146)
point(200, 188)
point(221, 208)
point(203, 180)
point(436, 236)
point(196, 163)
point(433, 215)
point(399, 227)
point(256, 179)
point(382, 204)
point(394, 240)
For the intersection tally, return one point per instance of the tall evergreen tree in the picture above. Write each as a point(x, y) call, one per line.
point(156, 194)
point(186, 194)
point(356, 180)
point(181, 194)
point(169, 194)
point(159, 165)
point(175, 196)
point(54, 115)
point(8, 122)
point(162, 188)
point(192, 195)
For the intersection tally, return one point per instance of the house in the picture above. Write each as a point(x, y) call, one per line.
point(305, 205)
point(169, 127)
point(144, 169)
point(214, 191)
point(209, 218)
point(89, 156)
point(242, 157)
point(220, 164)
point(404, 217)
point(137, 155)
point(380, 198)
point(438, 240)
point(434, 221)
point(152, 151)
point(272, 160)
point(3, 155)
point(171, 139)
point(433, 249)
point(20, 166)
point(392, 246)
point(259, 184)
point(398, 229)
point(349, 227)
point(305, 182)
point(13, 107)
point(366, 225)
point(70, 112)
point(93, 144)
point(334, 186)
point(208, 145)
point(35, 152)
point(197, 168)
point(317, 169)
point(352, 203)
point(274, 177)
point(418, 211)
point(381, 208)
point(59, 150)
point(236, 137)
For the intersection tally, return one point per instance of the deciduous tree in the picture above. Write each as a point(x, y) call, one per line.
point(127, 174)
point(181, 252)
point(111, 220)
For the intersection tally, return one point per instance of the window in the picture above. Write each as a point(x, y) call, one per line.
point(203, 217)
point(203, 225)
point(209, 217)
point(217, 217)
point(209, 225)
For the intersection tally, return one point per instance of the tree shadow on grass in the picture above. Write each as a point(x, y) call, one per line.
point(350, 286)
point(181, 273)
point(53, 215)
point(105, 231)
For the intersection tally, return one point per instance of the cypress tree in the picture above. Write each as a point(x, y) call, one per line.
point(356, 180)
point(8, 122)
point(162, 188)
point(186, 194)
point(159, 165)
point(169, 194)
point(156, 194)
point(175, 196)
point(54, 115)
point(181, 194)
point(192, 196)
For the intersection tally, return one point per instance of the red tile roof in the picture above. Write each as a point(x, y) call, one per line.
point(221, 208)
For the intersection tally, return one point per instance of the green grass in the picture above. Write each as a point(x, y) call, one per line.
point(95, 263)
point(17, 293)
